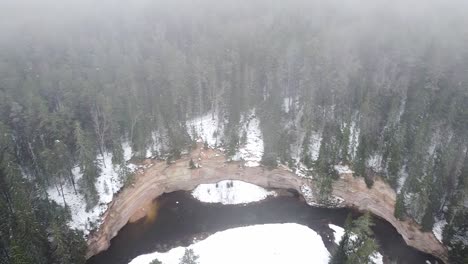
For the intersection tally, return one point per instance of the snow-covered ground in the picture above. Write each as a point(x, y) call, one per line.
point(339, 232)
point(288, 102)
point(107, 184)
point(158, 145)
point(308, 195)
point(375, 162)
point(439, 228)
point(252, 151)
point(403, 175)
point(311, 200)
point(377, 258)
point(343, 169)
point(230, 192)
point(353, 138)
point(314, 148)
point(206, 129)
point(209, 129)
point(271, 243)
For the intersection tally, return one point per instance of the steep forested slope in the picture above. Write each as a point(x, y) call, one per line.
point(377, 87)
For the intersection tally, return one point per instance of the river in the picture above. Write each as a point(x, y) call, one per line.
point(177, 218)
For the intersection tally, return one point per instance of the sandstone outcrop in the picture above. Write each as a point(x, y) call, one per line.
point(158, 178)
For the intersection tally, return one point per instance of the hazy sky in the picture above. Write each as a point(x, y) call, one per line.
point(439, 17)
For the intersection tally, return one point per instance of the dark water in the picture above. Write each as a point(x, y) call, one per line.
point(180, 218)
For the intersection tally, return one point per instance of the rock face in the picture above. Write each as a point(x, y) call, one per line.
point(132, 203)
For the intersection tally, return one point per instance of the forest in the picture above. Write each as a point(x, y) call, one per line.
point(383, 87)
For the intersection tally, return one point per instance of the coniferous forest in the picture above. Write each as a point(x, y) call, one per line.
point(383, 86)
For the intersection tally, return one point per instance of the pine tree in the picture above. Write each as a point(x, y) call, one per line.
point(394, 163)
point(306, 159)
point(428, 219)
point(400, 210)
point(361, 156)
point(357, 245)
point(88, 166)
point(192, 165)
point(189, 257)
point(155, 261)
point(345, 143)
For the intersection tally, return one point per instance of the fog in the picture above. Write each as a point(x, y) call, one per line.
point(341, 26)
point(436, 16)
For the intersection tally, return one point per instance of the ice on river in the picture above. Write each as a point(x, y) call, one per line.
point(230, 192)
point(271, 243)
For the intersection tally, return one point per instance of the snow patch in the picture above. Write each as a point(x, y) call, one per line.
point(107, 184)
point(286, 104)
point(338, 232)
point(375, 162)
point(205, 129)
point(439, 228)
point(353, 139)
point(403, 175)
point(377, 258)
point(271, 243)
point(252, 151)
point(302, 171)
point(127, 149)
point(231, 192)
point(314, 147)
point(158, 144)
point(308, 195)
point(343, 169)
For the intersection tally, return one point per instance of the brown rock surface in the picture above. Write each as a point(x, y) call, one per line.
point(132, 203)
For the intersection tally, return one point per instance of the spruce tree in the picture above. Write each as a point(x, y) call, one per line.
point(400, 209)
point(357, 245)
point(192, 165)
point(189, 257)
point(155, 261)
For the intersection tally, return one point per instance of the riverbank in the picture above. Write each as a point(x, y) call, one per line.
point(183, 221)
point(133, 202)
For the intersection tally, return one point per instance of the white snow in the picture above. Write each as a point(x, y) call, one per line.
point(314, 148)
point(158, 144)
point(339, 232)
point(439, 228)
point(271, 243)
point(107, 184)
point(205, 129)
point(230, 192)
point(377, 258)
point(252, 151)
point(308, 195)
point(342, 169)
point(310, 199)
point(286, 103)
point(127, 150)
point(375, 162)
point(353, 138)
point(403, 175)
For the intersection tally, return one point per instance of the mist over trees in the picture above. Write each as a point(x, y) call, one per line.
point(79, 78)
